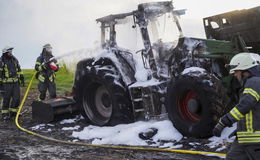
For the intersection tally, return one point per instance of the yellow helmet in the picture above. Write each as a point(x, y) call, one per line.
point(244, 61)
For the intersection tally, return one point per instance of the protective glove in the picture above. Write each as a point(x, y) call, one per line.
point(222, 123)
point(22, 80)
point(218, 129)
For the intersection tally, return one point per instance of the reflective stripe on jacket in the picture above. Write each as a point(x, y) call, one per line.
point(5, 111)
point(247, 113)
point(10, 70)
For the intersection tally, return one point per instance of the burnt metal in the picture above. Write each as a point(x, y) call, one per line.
point(245, 23)
point(49, 110)
point(147, 101)
point(141, 16)
point(148, 133)
point(143, 22)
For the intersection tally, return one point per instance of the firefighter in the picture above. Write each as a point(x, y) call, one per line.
point(11, 77)
point(46, 66)
point(246, 68)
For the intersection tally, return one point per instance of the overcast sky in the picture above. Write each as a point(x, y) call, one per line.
point(70, 24)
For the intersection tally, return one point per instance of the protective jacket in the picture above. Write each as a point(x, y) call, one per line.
point(247, 112)
point(44, 71)
point(10, 70)
point(46, 75)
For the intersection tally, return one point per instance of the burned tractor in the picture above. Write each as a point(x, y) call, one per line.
point(184, 78)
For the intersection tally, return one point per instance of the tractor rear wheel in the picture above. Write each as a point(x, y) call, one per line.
point(105, 100)
point(194, 105)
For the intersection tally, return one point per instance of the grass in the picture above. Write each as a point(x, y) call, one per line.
point(64, 80)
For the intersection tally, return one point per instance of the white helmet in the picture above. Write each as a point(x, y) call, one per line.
point(244, 61)
point(7, 49)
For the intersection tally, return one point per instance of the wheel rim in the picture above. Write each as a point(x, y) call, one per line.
point(103, 102)
point(97, 103)
point(188, 106)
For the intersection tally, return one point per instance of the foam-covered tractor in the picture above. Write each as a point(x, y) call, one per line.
point(169, 75)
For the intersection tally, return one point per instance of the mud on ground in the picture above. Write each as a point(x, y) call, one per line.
point(18, 145)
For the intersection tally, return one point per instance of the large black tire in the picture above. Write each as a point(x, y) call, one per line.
point(194, 105)
point(104, 99)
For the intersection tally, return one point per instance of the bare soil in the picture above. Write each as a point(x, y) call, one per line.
point(18, 145)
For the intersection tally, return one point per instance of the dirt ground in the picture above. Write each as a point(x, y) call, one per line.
point(18, 145)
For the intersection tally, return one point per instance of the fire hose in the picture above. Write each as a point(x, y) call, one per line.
point(221, 155)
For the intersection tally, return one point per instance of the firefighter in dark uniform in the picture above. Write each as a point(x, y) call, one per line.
point(11, 77)
point(46, 66)
point(246, 68)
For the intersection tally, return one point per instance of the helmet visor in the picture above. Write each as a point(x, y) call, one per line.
point(231, 68)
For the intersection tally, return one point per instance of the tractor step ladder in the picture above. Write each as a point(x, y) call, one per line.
point(145, 101)
point(137, 101)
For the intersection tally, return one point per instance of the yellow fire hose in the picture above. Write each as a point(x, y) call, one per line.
point(222, 155)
